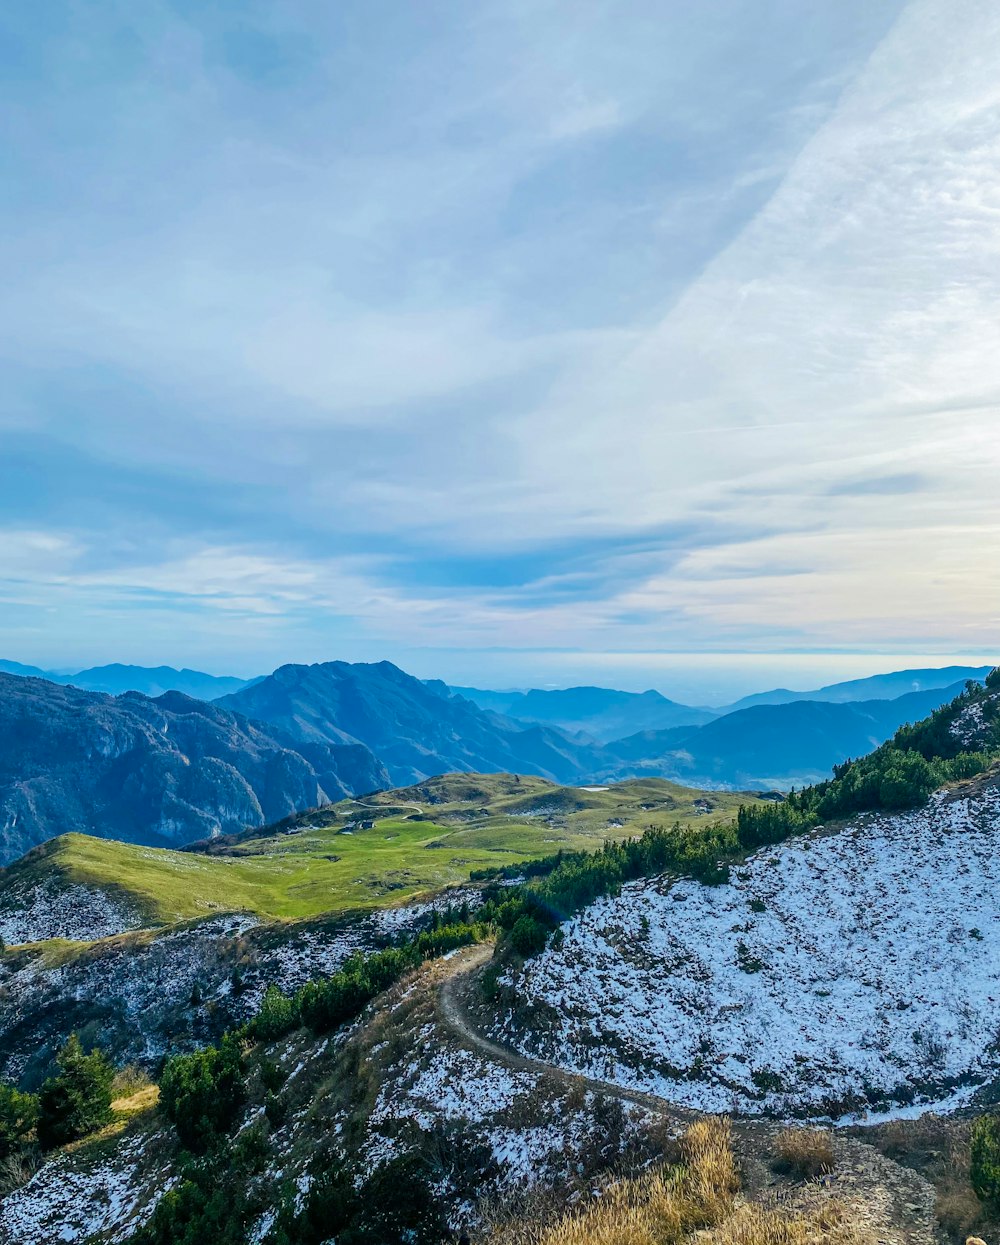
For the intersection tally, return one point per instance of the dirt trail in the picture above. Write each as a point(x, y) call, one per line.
point(894, 1203)
point(452, 1011)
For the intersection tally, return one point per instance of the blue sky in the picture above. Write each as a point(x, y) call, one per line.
point(518, 342)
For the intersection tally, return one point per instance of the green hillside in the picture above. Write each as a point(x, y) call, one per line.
point(373, 852)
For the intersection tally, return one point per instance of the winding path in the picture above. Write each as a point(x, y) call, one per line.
point(453, 1013)
point(895, 1203)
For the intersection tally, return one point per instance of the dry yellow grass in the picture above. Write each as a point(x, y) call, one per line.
point(142, 1100)
point(698, 1196)
point(805, 1152)
point(752, 1224)
point(658, 1208)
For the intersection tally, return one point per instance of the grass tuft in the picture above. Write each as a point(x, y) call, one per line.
point(753, 1224)
point(803, 1152)
point(658, 1208)
point(696, 1196)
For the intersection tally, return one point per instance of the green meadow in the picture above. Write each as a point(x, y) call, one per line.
point(362, 854)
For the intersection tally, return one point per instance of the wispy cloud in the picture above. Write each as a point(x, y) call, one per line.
point(540, 326)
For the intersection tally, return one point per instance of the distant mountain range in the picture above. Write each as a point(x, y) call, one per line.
point(150, 681)
point(169, 767)
point(607, 715)
point(600, 712)
point(876, 687)
point(415, 729)
point(772, 745)
point(164, 771)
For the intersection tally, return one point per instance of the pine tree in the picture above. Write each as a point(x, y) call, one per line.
point(18, 1116)
point(77, 1101)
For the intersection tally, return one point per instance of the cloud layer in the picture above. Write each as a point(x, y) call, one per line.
point(516, 335)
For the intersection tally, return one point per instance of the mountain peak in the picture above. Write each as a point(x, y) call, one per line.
point(412, 727)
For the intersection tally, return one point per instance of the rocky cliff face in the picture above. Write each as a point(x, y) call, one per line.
point(164, 771)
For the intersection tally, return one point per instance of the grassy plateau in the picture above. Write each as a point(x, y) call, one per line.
point(370, 852)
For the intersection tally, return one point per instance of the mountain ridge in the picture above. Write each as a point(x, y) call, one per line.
point(774, 745)
point(603, 713)
point(892, 685)
point(414, 730)
point(159, 771)
point(116, 678)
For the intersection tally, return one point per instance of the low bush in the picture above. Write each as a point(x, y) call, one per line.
point(445, 937)
point(528, 936)
point(18, 1117)
point(130, 1080)
point(215, 1200)
point(219, 1195)
point(277, 1016)
point(202, 1093)
point(200, 1208)
point(985, 1161)
point(325, 1005)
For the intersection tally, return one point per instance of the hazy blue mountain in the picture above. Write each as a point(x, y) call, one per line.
point(876, 687)
point(149, 680)
point(600, 712)
point(414, 729)
point(772, 745)
point(495, 702)
point(154, 681)
point(26, 672)
point(166, 771)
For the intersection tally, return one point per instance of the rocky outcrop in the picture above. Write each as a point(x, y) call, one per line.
point(166, 771)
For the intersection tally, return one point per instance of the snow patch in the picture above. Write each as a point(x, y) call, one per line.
point(51, 910)
point(63, 1203)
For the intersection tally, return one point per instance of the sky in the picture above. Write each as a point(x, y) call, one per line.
point(631, 342)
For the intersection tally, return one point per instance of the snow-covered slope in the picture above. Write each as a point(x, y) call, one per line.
point(80, 1196)
point(52, 909)
point(173, 989)
point(833, 974)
